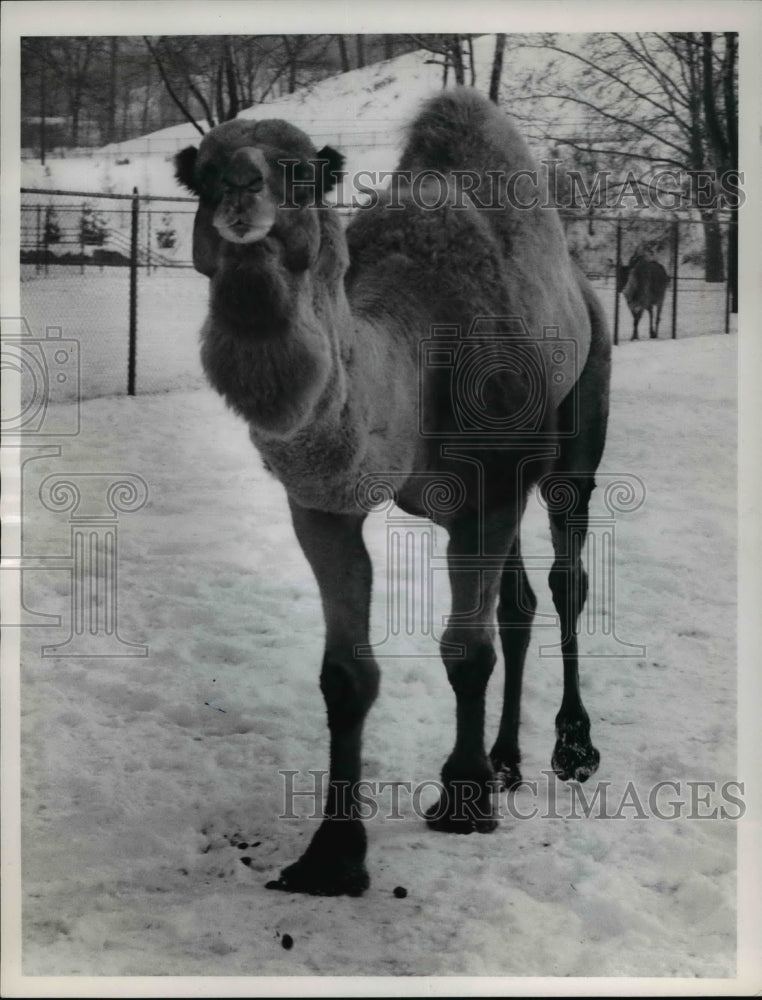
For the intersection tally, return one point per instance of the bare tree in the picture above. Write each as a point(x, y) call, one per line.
point(158, 51)
point(112, 89)
point(67, 62)
point(450, 50)
point(497, 68)
point(661, 99)
point(471, 63)
point(343, 54)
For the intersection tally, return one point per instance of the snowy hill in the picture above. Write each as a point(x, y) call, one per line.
point(362, 113)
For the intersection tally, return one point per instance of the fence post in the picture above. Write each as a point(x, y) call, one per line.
point(675, 254)
point(148, 239)
point(616, 278)
point(133, 294)
point(38, 266)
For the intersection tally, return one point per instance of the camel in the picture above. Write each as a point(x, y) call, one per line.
point(644, 283)
point(455, 344)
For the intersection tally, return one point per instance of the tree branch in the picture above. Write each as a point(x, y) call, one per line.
point(598, 68)
point(170, 90)
point(716, 136)
point(628, 122)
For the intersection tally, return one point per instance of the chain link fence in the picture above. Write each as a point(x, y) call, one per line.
point(114, 273)
point(692, 305)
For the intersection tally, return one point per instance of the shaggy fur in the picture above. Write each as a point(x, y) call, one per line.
point(322, 341)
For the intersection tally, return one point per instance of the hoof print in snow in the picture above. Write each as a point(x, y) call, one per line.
point(246, 861)
point(461, 824)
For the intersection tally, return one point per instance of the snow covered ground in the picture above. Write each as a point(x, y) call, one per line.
point(143, 777)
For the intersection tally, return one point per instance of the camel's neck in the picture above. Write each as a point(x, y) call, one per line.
point(271, 343)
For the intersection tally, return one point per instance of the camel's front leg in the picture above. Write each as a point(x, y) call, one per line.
point(476, 556)
point(334, 862)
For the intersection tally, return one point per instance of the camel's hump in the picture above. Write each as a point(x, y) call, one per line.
point(460, 129)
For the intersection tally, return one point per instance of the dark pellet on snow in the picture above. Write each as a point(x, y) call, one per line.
point(257, 843)
point(242, 846)
point(246, 861)
point(400, 892)
point(287, 941)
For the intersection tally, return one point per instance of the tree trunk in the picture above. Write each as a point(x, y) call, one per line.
point(43, 109)
point(388, 47)
point(114, 59)
point(74, 113)
point(291, 60)
point(343, 54)
point(231, 83)
point(470, 43)
point(360, 50)
point(714, 269)
point(147, 98)
point(456, 52)
point(497, 69)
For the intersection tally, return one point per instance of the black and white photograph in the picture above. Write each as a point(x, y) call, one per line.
point(381, 468)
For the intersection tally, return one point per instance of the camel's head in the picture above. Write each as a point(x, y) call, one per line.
point(253, 180)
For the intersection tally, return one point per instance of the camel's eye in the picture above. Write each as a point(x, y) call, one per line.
point(253, 186)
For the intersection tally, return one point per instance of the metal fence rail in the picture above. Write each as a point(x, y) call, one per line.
point(115, 272)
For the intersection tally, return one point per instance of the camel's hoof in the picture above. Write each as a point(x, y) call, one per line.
point(333, 864)
point(507, 773)
point(574, 756)
point(459, 810)
point(341, 878)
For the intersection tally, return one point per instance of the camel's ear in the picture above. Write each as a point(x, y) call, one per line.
point(185, 168)
point(331, 163)
point(206, 241)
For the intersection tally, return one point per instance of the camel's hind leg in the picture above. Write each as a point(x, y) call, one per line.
point(636, 314)
point(334, 862)
point(582, 419)
point(514, 617)
point(574, 755)
point(653, 323)
point(476, 555)
point(659, 306)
